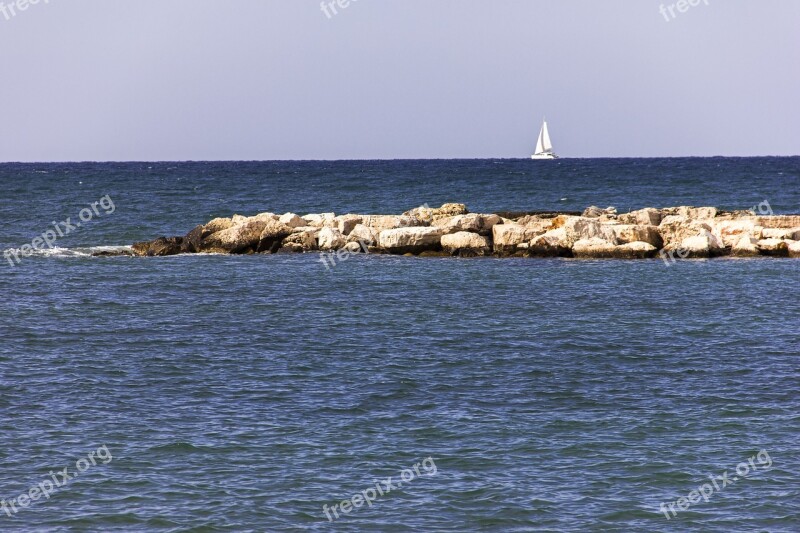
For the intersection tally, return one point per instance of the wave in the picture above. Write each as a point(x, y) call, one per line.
point(81, 251)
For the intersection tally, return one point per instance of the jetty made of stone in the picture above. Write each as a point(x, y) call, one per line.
point(451, 230)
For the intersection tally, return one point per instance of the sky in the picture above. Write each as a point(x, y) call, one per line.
point(172, 80)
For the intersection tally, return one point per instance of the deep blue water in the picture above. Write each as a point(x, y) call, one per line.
point(244, 393)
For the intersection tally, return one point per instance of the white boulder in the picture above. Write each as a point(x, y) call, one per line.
point(410, 239)
point(322, 220)
point(363, 234)
point(292, 220)
point(580, 228)
point(473, 222)
point(628, 233)
point(331, 239)
point(380, 223)
point(745, 246)
point(465, 243)
point(346, 223)
point(777, 247)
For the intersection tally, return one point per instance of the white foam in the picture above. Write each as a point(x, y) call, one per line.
point(58, 251)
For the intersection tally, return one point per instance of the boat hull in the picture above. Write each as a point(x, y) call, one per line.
point(544, 156)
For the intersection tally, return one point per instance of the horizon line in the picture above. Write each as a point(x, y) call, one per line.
point(561, 158)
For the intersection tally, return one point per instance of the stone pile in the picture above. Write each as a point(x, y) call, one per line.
point(451, 230)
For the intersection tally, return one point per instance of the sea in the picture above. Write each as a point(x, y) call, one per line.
point(274, 393)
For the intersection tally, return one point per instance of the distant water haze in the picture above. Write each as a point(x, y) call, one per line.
point(291, 79)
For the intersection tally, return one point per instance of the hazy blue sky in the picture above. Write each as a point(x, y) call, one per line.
point(278, 79)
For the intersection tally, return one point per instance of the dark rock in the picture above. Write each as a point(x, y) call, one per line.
point(161, 247)
point(113, 253)
point(271, 237)
point(193, 240)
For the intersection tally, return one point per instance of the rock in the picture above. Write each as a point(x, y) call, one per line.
point(271, 236)
point(363, 234)
point(730, 231)
point(737, 214)
point(700, 246)
point(140, 248)
point(627, 233)
point(465, 243)
point(451, 210)
point(593, 212)
point(307, 229)
point(643, 217)
point(507, 237)
point(697, 213)
point(794, 248)
point(780, 233)
point(324, 220)
point(773, 247)
point(410, 239)
point(696, 247)
point(779, 221)
point(239, 220)
point(559, 221)
point(637, 250)
point(355, 247)
point(161, 247)
point(292, 220)
point(423, 213)
point(192, 241)
point(305, 241)
point(218, 224)
point(593, 247)
point(266, 217)
point(429, 214)
point(553, 243)
point(346, 223)
point(745, 246)
point(596, 212)
point(380, 223)
point(580, 228)
point(601, 249)
point(119, 252)
point(675, 228)
point(472, 222)
point(242, 238)
point(331, 239)
point(539, 225)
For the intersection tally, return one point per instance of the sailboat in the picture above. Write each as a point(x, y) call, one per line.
point(544, 148)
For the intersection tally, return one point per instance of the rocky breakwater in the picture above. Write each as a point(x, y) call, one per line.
point(451, 230)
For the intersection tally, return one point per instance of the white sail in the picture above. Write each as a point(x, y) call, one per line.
point(540, 143)
point(544, 147)
point(547, 145)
